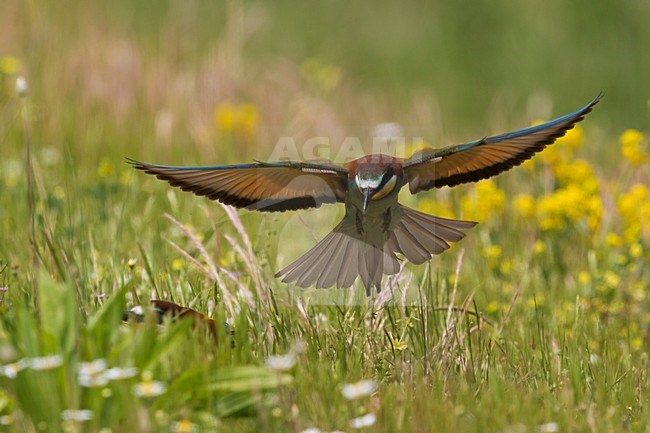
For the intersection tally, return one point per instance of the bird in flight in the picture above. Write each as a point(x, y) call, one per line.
point(376, 229)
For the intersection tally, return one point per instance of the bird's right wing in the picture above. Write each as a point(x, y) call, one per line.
point(261, 186)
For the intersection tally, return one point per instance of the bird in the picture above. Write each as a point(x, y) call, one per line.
point(376, 230)
point(163, 309)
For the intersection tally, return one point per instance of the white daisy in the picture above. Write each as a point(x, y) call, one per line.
point(91, 374)
point(363, 421)
point(78, 415)
point(48, 362)
point(549, 427)
point(12, 370)
point(281, 362)
point(149, 388)
point(363, 388)
point(117, 373)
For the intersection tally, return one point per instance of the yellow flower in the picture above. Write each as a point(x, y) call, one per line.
point(58, 192)
point(506, 267)
point(240, 120)
point(248, 119)
point(611, 279)
point(106, 168)
point(576, 171)
point(126, 177)
point(550, 213)
point(613, 240)
point(573, 139)
point(325, 76)
point(630, 136)
point(492, 253)
point(551, 156)
point(631, 148)
point(634, 208)
point(572, 203)
point(487, 200)
point(639, 191)
point(524, 204)
point(398, 344)
point(224, 117)
point(594, 209)
point(632, 233)
point(571, 198)
point(539, 247)
point(537, 300)
point(636, 250)
point(432, 207)
point(9, 65)
point(620, 259)
point(584, 278)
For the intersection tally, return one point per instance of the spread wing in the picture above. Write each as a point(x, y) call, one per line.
point(266, 187)
point(480, 159)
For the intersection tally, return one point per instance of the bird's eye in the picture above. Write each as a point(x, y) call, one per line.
point(386, 189)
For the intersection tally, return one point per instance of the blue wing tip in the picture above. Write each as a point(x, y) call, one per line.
point(596, 100)
point(587, 108)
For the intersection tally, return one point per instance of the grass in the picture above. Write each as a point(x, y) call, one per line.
point(537, 321)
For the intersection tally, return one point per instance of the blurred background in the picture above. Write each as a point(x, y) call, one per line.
point(189, 82)
point(559, 266)
point(167, 77)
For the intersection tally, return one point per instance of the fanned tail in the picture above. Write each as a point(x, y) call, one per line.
point(338, 259)
point(419, 236)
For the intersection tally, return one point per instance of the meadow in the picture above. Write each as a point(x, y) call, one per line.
point(537, 321)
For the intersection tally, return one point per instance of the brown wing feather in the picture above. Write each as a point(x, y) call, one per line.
point(264, 187)
point(485, 158)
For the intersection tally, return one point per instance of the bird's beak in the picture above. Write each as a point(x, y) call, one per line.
point(366, 197)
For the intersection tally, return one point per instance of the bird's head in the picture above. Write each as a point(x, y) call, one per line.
point(375, 182)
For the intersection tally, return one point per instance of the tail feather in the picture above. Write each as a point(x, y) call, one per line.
point(311, 275)
point(339, 258)
point(419, 236)
point(427, 239)
point(373, 264)
point(310, 262)
point(446, 228)
point(333, 266)
point(349, 270)
point(407, 244)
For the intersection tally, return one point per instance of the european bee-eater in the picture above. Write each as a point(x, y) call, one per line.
point(375, 227)
point(166, 308)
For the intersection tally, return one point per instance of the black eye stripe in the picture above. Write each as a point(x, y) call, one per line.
point(386, 178)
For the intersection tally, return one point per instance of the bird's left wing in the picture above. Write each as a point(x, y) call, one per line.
point(262, 186)
point(480, 159)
